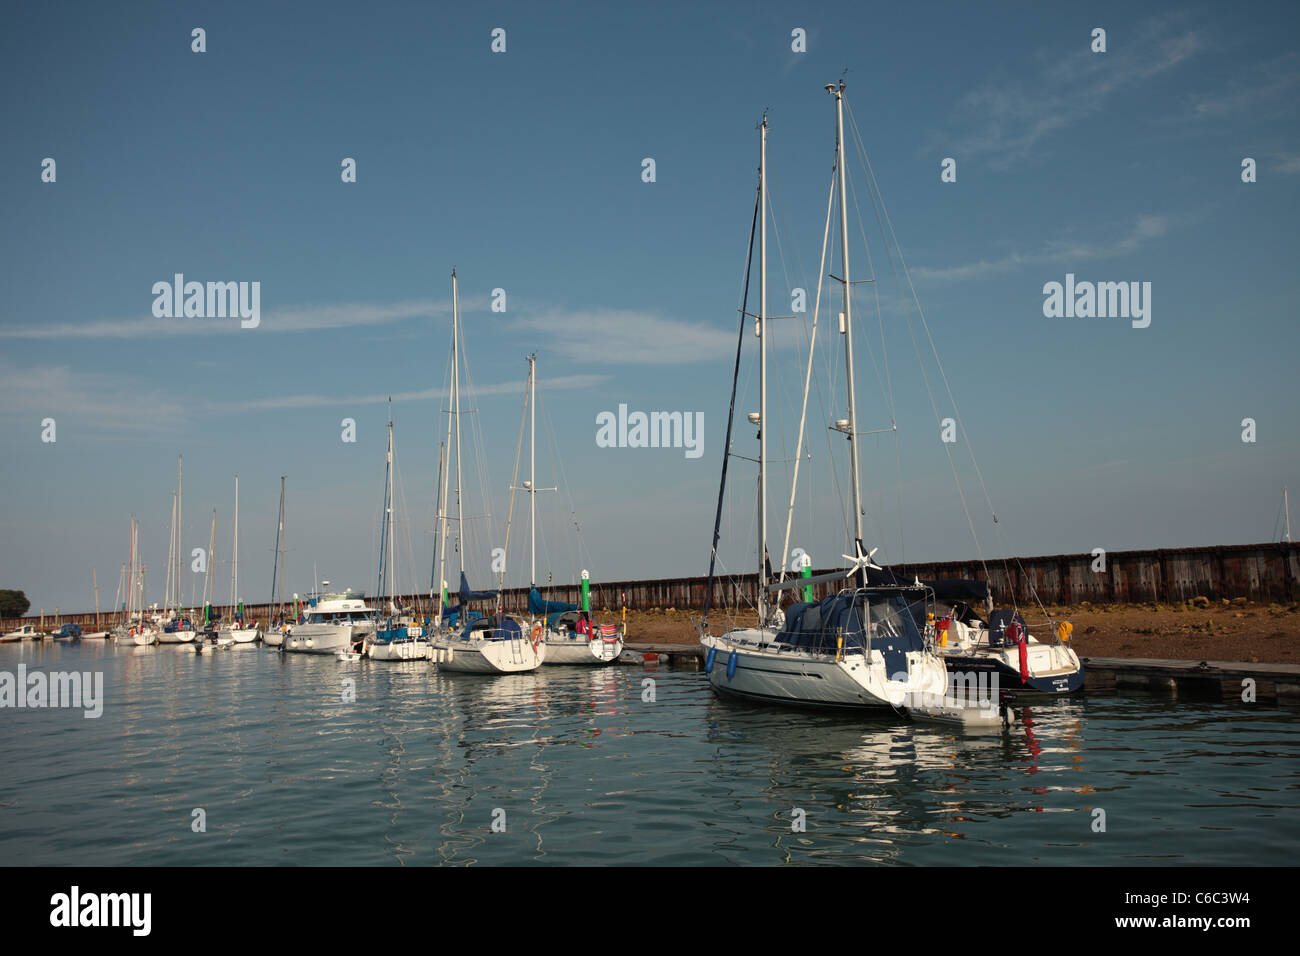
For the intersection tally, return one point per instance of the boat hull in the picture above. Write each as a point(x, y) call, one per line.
point(1008, 674)
point(320, 638)
point(581, 651)
point(238, 635)
point(176, 637)
point(855, 681)
point(408, 649)
point(489, 657)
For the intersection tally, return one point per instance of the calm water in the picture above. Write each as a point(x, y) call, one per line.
point(588, 772)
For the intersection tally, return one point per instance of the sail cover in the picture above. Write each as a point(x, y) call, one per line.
point(539, 605)
point(466, 595)
point(946, 590)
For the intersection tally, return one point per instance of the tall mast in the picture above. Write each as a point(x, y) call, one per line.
point(170, 587)
point(180, 560)
point(847, 329)
point(455, 401)
point(532, 468)
point(1286, 507)
point(762, 374)
point(283, 570)
point(234, 558)
point(209, 592)
point(436, 584)
point(95, 577)
point(392, 552)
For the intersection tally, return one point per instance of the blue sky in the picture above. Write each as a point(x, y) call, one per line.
point(523, 171)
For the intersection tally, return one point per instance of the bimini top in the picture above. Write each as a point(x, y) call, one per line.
point(502, 628)
point(820, 625)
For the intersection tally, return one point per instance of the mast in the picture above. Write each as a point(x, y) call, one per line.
point(234, 558)
point(208, 591)
point(851, 430)
point(95, 577)
point(1286, 507)
point(532, 469)
point(282, 563)
point(436, 572)
point(388, 516)
point(180, 560)
point(169, 586)
point(762, 374)
point(455, 361)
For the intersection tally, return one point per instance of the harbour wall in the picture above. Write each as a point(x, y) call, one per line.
point(1267, 573)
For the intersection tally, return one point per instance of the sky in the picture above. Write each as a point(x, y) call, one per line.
point(524, 171)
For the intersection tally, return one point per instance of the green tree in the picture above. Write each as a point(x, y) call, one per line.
point(13, 603)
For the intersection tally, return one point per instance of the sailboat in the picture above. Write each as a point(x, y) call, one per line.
point(860, 647)
point(273, 636)
point(236, 630)
point(95, 634)
point(176, 628)
point(395, 641)
point(140, 632)
point(462, 642)
point(570, 634)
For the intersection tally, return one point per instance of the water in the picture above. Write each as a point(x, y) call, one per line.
point(587, 772)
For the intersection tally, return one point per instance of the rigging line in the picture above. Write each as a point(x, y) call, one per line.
point(803, 414)
point(951, 398)
point(731, 411)
point(880, 318)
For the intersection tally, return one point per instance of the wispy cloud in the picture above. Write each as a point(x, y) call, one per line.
point(316, 400)
point(103, 403)
point(304, 318)
point(1260, 90)
point(1007, 119)
point(1057, 250)
point(610, 336)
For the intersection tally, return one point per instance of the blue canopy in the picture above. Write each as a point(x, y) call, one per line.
point(539, 605)
point(818, 625)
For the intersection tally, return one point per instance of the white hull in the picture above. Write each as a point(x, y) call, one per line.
point(176, 637)
point(143, 638)
point(95, 636)
point(238, 635)
point(489, 657)
point(794, 676)
point(273, 638)
point(580, 650)
point(411, 649)
point(321, 638)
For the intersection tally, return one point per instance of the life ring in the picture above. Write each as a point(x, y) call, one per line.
point(537, 634)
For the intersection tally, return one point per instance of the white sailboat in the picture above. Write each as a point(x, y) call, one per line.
point(273, 636)
point(860, 648)
point(95, 634)
point(486, 645)
point(139, 631)
point(570, 633)
point(176, 628)
point(236, 630)
point(397, 640)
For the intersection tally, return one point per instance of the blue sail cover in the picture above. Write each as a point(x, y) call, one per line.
point(466, 595)
point(552, 609)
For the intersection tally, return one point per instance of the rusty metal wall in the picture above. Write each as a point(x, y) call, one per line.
point(1259, 572)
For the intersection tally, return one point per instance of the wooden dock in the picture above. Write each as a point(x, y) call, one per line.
point(1227, 678)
